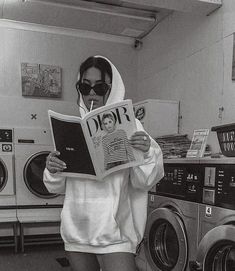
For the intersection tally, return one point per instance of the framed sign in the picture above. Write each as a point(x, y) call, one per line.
point(40, 80)
point(198, 143)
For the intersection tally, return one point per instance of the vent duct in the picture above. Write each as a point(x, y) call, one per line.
point(126, 18)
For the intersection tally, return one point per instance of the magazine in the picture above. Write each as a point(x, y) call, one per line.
point(198, 143)
point(96, 145)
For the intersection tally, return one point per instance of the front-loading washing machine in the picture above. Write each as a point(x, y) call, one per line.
point(170, 240)
point(8, 219)
point(34, 202)
point(7, 176)
point(216, 250)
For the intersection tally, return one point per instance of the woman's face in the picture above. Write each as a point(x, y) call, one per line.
point(93, 76)
point(109, 124)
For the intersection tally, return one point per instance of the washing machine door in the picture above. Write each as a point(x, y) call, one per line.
point(3, 175)
point(33, 175)
point(166, 241)
point(216, 251)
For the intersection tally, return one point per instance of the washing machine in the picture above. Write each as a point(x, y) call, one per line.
point(7, 176)
point(216, 250)
point(170, 240)
point(34, 202)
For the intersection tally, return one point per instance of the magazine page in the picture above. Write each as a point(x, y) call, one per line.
point(107, 132)
point(198, 143)
point(69, 140)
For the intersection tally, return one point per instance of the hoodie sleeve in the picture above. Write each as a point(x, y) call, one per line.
point(54, 182)
point(152, 171)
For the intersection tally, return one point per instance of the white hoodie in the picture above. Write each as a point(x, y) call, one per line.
point(108, 216)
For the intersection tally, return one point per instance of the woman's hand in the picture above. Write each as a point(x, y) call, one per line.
point(141, 141)
point(54, 164)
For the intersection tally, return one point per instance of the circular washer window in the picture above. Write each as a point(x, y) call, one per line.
point(163, 244)
point(3, 175)
point(33, 175)
point(166, 246)
point(221, 257)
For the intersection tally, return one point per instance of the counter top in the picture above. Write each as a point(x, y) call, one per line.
point(203, 160)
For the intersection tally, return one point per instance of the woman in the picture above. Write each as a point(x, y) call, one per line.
point(103, 222)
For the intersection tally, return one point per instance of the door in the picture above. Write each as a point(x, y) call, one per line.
point(166, 242)
point(3, 175)
point(6, 175)
point(33, 175)
point(216, 250)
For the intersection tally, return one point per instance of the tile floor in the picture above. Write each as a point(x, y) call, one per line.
point(35, 258)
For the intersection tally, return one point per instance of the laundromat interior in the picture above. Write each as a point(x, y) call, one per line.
point(177, 61)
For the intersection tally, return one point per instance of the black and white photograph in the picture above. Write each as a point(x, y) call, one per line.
point(117, 135)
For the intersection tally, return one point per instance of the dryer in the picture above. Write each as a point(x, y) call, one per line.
point(170, 240)
point(7, 176)
point(34, 202)
point(216, 249)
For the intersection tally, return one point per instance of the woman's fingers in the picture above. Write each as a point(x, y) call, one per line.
point(140, 140)
point(53, 163)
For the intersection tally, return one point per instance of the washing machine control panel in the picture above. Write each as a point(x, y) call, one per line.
point(6, 135)
point(219, 185)
point(182, 181)
point(6, 140)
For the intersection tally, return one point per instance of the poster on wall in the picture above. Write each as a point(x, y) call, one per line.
point(39, 80)
point(233, 65)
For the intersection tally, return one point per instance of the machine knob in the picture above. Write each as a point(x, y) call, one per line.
point(194, 266)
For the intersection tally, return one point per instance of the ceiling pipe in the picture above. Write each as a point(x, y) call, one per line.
point(94, 6)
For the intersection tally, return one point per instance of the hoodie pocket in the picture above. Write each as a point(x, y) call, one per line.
point(90, 222)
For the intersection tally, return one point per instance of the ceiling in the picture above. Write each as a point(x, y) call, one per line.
point(126, 18)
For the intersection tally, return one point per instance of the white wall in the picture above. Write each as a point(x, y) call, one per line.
point(43, 45)
point(186, 58)
point(189, 58)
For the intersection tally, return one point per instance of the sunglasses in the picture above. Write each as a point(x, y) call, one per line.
point(100, 89)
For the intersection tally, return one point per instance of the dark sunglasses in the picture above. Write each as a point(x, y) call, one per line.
point(100, 89)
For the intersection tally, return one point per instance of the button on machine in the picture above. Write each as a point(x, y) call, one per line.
point(182, 181)
point(219, 185)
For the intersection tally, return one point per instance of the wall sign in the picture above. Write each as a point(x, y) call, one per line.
point(140, 113)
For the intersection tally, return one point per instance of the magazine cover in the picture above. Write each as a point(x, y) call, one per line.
point(98, 144)
point(198, 144)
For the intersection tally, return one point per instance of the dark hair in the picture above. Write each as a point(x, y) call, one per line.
point(98, 62)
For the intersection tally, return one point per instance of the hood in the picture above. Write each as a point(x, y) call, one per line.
point(117, 92)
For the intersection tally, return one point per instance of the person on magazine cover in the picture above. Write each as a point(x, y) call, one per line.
point(117, 149)
point(103, 222)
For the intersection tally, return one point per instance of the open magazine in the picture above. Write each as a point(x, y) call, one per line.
point(96, 145)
